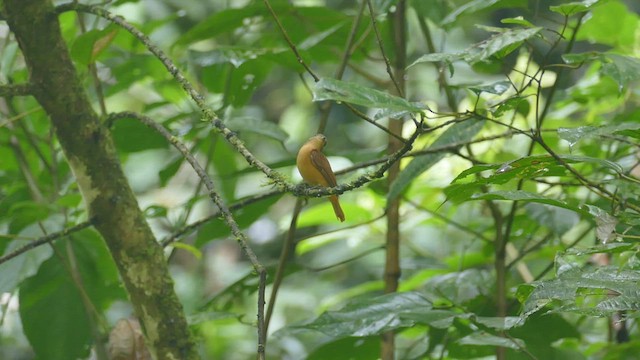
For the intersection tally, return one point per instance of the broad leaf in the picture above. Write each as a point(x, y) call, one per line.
point(331, 89)
point(573, 8)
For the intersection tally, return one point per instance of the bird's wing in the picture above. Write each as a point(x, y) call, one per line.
point(322, 164)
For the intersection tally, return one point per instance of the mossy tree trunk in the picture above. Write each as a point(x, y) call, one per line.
point(91, 154)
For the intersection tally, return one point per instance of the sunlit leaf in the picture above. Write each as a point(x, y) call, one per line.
point(573, 8)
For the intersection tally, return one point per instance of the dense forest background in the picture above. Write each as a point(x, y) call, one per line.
point(486, 153)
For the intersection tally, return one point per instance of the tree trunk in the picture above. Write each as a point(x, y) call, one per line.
point(91, 154)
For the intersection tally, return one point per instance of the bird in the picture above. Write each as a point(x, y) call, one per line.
point(316, 170)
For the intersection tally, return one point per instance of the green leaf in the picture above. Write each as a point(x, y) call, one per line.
point(25, 213)
point(234, 55)
point(573, 59)
point(573, 8)
point(51, 300)
point(464, 186)
point(457, 134)
point(131, 135)
point(170, 170)
point(316, 38)
point(587, 291)
point(573, 135)
point(217, 228)
point(331, 89)
point(348, 349)
point(88, 46)
point(470, 7)
point(258, 126)
point(228, 20)
point(519, 20)
point(438, 57)
point(605, 224)
point(614, 24)
point(623, 69)
point(542, 333)
point(500, 45)
point(368, 316)
point(517, 103)
point(520, 195)
point(495, 88)
point(497, 46)
point(610, 248)
point(22, 266)
point(485, 339)
point(501, 323)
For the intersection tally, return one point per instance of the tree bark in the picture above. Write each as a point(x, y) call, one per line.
point(91, 154)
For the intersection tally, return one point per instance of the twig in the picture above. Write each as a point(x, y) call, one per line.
point(44, 240)
point(384, 55)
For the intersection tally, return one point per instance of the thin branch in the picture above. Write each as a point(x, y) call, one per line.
point(45, 240)
point(233, 207)
point(288, 40)
point(384, 55)
point(287, 247)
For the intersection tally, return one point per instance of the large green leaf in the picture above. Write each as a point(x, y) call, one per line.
point(350, 92)
point(573, 135)
point(589, 291)
point(51, 300)
point(372, 316)
point(457, 134)
point(524, 196)
point(499, 45)
point(470, 181)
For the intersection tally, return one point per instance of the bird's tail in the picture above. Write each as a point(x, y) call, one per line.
point(336, 207)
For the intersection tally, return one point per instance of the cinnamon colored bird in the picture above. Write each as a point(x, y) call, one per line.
point(316, 170)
